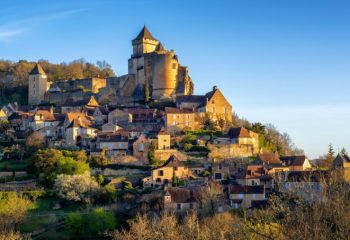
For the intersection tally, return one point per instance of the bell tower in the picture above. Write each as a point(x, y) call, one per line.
point(37, 85)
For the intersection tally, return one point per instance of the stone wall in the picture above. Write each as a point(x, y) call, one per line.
point(164, 155)
point(60, 98)
point(222, 151)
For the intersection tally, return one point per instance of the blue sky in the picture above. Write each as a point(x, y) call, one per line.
point(280, 62)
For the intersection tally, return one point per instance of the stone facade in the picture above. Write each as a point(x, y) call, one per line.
point(37, 85)
point(165, 174)
point(151, 63)
point(177, 120)
point(141, 148)
point(224, 151)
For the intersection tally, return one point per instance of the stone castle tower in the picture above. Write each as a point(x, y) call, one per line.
point(37, 85)
point(151, 62)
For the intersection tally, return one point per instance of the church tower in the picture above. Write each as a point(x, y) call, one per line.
point(37, 85)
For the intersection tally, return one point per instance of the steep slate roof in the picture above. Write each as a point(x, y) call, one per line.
point(343, 157)
point(145, 33)
point(103, 110)
point(239, 132)
point(191, 98)
point(76, 124)
point(162, 131)
point(239, 189)
point(293, 160)
point(172, 162)
point(83, 102)
point(37, 70)
point(86, 121)
point(160, 47)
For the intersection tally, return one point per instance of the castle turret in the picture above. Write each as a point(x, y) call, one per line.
point(144, 43)
point(164, 75)
point(37, 85)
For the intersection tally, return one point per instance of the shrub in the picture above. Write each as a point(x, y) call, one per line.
point(127, 185)
point(91, 226)
point(187, 147)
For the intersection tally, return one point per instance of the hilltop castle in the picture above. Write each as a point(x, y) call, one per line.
point(150, 66)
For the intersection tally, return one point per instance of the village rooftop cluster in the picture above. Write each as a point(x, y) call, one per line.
point(149, 123)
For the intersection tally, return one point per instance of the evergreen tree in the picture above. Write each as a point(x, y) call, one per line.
point(343, 152)
point(330, 151)
point(147, 92)
point(329, 157)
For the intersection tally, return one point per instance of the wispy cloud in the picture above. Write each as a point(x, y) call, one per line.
point(15, 29)
point(7, 35)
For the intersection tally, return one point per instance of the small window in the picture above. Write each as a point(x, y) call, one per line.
point(158, 180)
point(178, 206)
point(174, 65)
point(160, 173)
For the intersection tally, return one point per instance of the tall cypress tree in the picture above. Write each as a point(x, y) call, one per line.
point(147, 92)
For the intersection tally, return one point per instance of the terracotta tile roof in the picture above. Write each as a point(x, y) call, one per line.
point(45, 115)
point(113, 138)
point(48, 108)
point(269, 158)
point(252, 171)
point(183, 195)
point(293, 160)
point(239, 132)
point(177, 110)
point(122, 132)
point(239, 189)
point(145, 111)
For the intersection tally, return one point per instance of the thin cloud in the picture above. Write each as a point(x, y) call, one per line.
point(7, 35)
point(17, 28)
